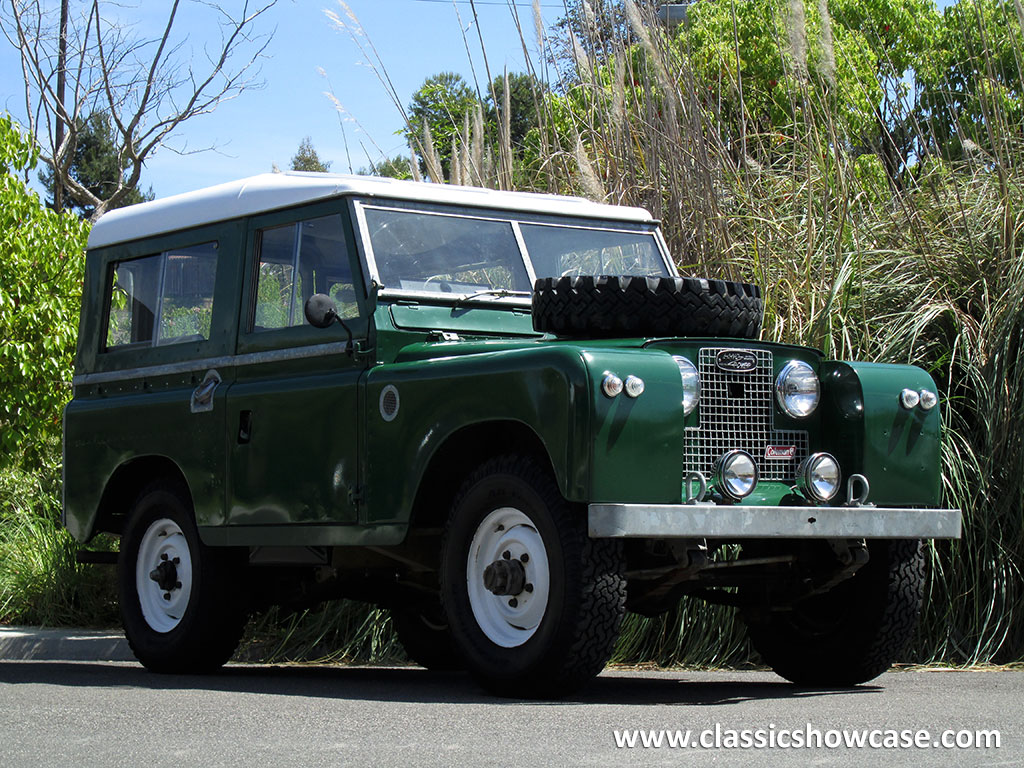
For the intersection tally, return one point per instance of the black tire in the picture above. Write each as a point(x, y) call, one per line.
point(201, 624)
point(562, 633)
point(855, 631)
point(646, 306)
point(426, 637)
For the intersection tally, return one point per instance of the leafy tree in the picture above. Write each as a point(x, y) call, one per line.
point(974, 91)
point(397, 167)
point(306, 159)
point(441, 106)
point(900, 36)
point(525, 92)
point(41, 265)
point(747, 54)
point(95, 166)
point(591, 27)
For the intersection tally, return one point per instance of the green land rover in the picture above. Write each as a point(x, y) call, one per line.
point(504, 416)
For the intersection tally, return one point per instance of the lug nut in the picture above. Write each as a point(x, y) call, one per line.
point(177, 585)
point(506, 554)
point(167, 595)
point(513, 603)
point(163, 555)
point(528, 587)
point(524, 558)
point(176, 561)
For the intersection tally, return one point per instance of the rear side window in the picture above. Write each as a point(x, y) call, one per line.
point(166, 298)
point(295, 261)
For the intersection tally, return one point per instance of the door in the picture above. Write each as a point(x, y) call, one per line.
point(292, 410)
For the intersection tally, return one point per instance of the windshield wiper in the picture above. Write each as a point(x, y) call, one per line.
point(497, 292)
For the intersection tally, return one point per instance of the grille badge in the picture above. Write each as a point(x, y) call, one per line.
point(780, 452)
point(736, 361)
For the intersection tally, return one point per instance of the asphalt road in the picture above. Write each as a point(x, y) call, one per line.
point(117, 714)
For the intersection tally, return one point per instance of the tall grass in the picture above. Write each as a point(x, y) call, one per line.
point(862, 251)
point(340, 631)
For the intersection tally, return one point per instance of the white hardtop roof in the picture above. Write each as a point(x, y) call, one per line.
point(271, 191)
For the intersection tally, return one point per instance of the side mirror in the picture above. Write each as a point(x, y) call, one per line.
point(321, 311)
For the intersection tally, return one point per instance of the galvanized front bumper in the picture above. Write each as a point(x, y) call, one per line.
point(714, 521)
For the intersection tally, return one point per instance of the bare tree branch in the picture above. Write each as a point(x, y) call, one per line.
point(147, 87)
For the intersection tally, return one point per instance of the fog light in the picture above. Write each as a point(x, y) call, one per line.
point(928, 399)
point(818, 477)
point(909, 399)
point(634, 386)
point(735, 475)
point(612, 385)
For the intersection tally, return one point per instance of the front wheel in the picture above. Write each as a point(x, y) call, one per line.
point(856, 630)
point(179, 611)
point(533, 603)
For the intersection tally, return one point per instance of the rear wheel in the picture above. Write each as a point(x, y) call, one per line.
point(178, 607)
point(534, 604)
point(426, 637)
point(856, 630)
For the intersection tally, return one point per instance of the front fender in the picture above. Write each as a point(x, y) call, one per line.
point(546, 390)
point(896, 449)
point(602, 449)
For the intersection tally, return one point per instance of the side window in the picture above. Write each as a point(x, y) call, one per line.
point(186, 307)
point(296, 261)
point(166, 298)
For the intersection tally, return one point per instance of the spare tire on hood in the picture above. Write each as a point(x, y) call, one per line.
point(614, 305)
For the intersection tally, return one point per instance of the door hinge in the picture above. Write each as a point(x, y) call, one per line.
point(360, 349)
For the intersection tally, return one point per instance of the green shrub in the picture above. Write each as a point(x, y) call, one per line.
point(40, 581)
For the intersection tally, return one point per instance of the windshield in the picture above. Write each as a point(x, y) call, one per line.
point(429, 252)
point(435, 253)
point(556, 251)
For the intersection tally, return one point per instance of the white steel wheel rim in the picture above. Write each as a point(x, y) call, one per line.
point(163, 542)
point(508, 620)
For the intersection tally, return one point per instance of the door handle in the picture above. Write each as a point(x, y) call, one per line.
point(244, 427)
point(202, 396)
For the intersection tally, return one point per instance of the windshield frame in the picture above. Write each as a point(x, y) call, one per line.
point(371, 273)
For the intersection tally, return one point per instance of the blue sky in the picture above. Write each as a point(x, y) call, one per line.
point(415, 39)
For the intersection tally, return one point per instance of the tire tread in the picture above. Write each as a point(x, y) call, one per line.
point(622, 305)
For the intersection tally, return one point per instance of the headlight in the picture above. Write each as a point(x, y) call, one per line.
point(735, 475)
point(818, 477)
point(691, 384)
point(797, 389)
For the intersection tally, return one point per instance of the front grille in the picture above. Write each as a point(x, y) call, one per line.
point(736, 414)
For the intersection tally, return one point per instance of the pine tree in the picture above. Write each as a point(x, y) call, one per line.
point(306, 159)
